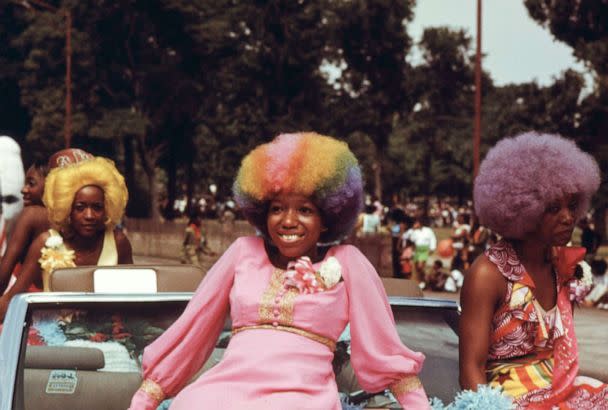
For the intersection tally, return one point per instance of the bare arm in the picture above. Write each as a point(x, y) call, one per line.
point(123, 247)
point(32, 220)
point(484, 287)
point(29, 272)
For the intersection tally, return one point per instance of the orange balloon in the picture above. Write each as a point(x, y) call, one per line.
point(445, 248)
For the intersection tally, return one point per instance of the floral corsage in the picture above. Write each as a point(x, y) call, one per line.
point(580, 284)
point(301, 274)
point(56, 255)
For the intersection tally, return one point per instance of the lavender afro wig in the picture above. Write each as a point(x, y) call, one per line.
point(304, 163)
point(521, 176)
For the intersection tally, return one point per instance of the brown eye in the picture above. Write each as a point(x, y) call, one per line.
point(552, 209)
point(274, 209)
point(305, 210)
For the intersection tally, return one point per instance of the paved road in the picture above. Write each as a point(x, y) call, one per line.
point(591, 326)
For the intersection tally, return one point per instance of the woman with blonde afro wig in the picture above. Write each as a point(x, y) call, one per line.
point(62, 184)
point(85, 197)
point(289, 297)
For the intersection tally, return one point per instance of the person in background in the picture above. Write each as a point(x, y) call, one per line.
point(369, 222)
point(396, 222)
point(289, 297)
point(440, 280)
point(85, 198)
point(425, 243)
point(599, 291)
point(32, 221)
point(11, 181)
point(479, 237)
point(195, 242)
point(590, 238)
point(407, 259)
point(516, 327)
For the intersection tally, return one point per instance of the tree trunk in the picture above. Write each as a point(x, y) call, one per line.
point(168, 210)
point(148, 159)
point(192, 205)
point(377, 167)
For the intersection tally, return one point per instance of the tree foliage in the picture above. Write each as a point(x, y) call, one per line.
point(178, 91)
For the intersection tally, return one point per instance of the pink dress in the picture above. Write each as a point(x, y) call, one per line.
point(280, 354)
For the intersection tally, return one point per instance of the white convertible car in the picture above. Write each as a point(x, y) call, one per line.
point(82, 350)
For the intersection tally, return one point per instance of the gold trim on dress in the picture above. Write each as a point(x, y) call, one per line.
point(312, 336)
point(153, 390)
point(405, 385)
point(286, 301)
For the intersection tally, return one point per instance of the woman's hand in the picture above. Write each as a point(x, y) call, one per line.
point(483, 289)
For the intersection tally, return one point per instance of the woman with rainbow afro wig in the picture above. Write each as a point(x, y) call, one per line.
point(516, 327)
point(307, 163)
point(85, 197)
point(289, 297)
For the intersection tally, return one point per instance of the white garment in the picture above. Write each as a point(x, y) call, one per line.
point(12, 178)
point(371, 223)
point(600, 287)
point(421, 237)
point(458, 277)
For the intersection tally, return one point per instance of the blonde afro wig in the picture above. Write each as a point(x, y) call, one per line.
point(62, 184)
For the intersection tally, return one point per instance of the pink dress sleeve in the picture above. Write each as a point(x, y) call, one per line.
point(181, 350)
point(378, 357)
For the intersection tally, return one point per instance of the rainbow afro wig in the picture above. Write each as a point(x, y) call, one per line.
point(304, 163)
point(521, 176)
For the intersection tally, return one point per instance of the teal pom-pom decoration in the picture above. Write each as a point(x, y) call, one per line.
point(164, 405)
point(484, 398)
point(437, 404)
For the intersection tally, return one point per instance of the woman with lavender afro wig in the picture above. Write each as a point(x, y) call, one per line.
point(290, 293)
point(516, 328)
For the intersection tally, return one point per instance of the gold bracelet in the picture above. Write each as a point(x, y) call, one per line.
point(153, 389)
point(405, 385)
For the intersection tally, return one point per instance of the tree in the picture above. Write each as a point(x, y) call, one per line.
point(432, 139)
point(370, 43)
point(583, 25)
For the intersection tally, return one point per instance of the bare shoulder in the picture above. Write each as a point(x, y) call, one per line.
point(39, 241)
point(34, 215)
point(484, 280)
point(122, 242)
point(123, 247)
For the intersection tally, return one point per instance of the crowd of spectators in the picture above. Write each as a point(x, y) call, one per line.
point(417, 253)
point(441, 264)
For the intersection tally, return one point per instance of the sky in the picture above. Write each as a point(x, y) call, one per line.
point(517, 49)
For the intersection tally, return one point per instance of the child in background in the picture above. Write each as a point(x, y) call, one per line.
point(407, 254)
point(439, 280)
point(195, 242)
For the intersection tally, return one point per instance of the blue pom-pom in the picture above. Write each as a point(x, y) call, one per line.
point(436, 404)
point(164, 405)
point(484, 398)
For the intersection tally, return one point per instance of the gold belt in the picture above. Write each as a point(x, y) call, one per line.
point(312, 336)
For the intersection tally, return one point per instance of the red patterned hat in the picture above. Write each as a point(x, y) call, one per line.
point(68, 156)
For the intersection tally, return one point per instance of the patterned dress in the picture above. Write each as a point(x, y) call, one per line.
point(533, 353)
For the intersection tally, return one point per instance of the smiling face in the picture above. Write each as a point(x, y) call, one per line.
point(558, 220)
point(88, 213)
point(33, 188)
point(294, 225)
